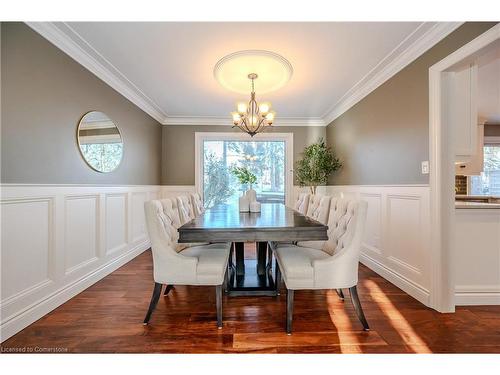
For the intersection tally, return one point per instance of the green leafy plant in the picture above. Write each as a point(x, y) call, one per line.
point(217, 188)
point(317, 164)
point(244, 175)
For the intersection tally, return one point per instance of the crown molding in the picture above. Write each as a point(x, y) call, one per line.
point(226, 121)
point(412, 47)
point(70, 42)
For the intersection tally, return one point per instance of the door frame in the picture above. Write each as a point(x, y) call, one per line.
point(442, 171)
point(200, 137)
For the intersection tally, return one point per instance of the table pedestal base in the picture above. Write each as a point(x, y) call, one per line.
point(251, 277)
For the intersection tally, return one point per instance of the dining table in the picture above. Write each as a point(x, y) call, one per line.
point(274, 223)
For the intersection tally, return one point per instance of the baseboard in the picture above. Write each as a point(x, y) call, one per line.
point(42, 307)
point(475, 298)
point(408, 286)
point(474, 295)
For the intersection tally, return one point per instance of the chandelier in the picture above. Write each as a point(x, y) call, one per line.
point(252, 117)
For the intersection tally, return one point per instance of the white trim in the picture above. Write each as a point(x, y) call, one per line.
point(45, 305)
point(469, 295)
point(286, 137)
point(70, 42)
point(397, 251)
point(492, 139)
point(63, 36)
point(226, 121)
point(413, 289)
point(442, 176)
point(72, 260)
point(285, 64)
point(405, 53)
point(172, 191)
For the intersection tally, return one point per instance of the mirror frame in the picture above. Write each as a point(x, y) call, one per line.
point(80, 149)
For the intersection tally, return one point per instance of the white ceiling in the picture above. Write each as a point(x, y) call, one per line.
point(167, 68)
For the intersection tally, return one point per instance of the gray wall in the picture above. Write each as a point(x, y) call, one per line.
point(178, 147)
point(44, 94)
point(383, 138)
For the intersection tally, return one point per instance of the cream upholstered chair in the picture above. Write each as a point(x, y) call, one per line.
point(331, 264)
point(301, 203)
point(171, 208)
point(186, 212)
point(318, 208)
point(197, 204)
point(197, 265)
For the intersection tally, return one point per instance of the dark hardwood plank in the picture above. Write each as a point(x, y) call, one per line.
point(107, 318)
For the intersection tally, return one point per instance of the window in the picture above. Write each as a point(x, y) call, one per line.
point(267, 155)
point(488, 183)
point(265, 159)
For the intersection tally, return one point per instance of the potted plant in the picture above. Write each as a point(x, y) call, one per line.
point(317, 164)
point(245, 177)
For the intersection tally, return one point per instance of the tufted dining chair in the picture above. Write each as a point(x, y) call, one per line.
point(197, 204)
point(197, 265)
point(318, 208)
point(330, 264)
point(186, 211)
point(301, 203)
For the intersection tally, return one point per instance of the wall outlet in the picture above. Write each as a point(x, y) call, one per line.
point(425, 167)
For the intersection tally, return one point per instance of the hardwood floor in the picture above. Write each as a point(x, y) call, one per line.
point(107, 317)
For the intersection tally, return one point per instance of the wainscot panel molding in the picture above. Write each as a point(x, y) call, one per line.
point(57, 240)
point(477, 257)
point(172, 191)
point(396, 243)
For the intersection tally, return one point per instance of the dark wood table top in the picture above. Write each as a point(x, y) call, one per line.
point(275, 222)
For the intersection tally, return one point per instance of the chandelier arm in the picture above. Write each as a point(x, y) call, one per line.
point(252, 122)
point(245, 122)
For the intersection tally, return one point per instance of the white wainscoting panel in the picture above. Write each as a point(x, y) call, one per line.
point(57, 240)
point(477, 257)
point(137, 218)
point(27, 246)
point(396, 240)
point(173, 191)
point(81, 231)
point(116, 222)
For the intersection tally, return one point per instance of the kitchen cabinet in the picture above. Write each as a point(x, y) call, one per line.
point(468, 132)
point(473, 165)
point(464, 113)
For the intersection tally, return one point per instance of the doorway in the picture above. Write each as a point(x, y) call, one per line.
point(442, 165)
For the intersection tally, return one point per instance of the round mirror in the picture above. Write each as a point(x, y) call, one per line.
point(100, 142)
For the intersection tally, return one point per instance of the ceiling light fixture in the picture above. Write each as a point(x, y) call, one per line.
point(252, 117)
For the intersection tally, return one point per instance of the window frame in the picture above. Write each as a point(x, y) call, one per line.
point(488, 140)
point(287, 138)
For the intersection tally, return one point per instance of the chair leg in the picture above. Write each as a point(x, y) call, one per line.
point(357, 306)
point(277, 278)
point(231, 251)
point(269, 256)
point(168, 289)
point(289, 311)
point(154, 300)
point(340, 293)
point(226, 279)
point(218, 299)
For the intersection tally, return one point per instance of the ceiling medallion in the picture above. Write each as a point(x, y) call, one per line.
point(233, 72)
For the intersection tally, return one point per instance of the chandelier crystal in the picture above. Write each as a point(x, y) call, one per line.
point(252, 117)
